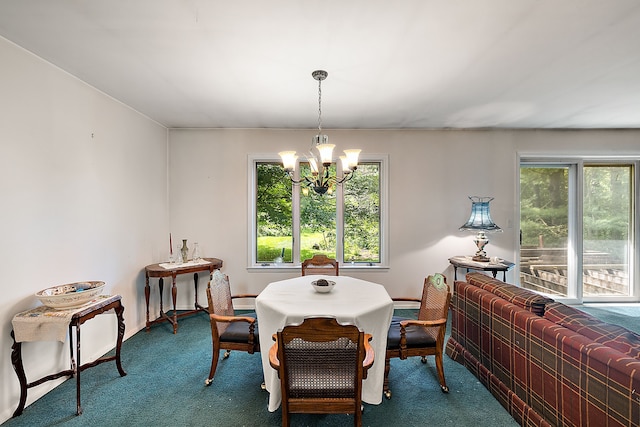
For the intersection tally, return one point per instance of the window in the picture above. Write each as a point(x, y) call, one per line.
point(289, 224)
point(577, 229)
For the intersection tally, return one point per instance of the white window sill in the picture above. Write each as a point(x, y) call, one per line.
point(290, 267)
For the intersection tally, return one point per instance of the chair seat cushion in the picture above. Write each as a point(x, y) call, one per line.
point(239, 331)
point(417, 336)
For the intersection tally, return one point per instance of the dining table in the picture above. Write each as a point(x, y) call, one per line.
point(351, 301)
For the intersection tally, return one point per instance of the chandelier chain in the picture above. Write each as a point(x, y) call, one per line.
point(319, 105)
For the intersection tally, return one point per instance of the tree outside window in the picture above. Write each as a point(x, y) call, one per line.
point(356, 207)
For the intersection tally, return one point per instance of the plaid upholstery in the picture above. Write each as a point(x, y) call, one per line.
point(614, 336)
point(521, 297)
point(542, 371)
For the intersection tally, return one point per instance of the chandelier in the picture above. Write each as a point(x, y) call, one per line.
point(321, 180)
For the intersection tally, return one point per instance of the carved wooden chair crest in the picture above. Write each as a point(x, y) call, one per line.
point(320, 264)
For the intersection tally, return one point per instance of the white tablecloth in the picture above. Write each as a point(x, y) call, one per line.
point(352, 300)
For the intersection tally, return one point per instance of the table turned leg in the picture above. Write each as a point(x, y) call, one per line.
point(16, 361)
point(174, 297)
point(119, 309)
point(147, 292)
point(161, 290)
point(195, 284)
point(72, 360)
point(77, 370)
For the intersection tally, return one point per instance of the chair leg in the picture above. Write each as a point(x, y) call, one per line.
point(387, 368)
point(357, 415)
point(440, 368)
point(214, 364)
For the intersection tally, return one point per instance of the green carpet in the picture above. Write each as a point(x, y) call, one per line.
point(165, 387)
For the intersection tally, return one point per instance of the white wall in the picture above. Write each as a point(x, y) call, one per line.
point(431, 175)
point(83, 185)
point(85, 195)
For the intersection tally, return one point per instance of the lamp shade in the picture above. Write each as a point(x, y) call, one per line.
point(480, 218)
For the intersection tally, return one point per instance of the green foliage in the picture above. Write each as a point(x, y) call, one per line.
point(273, 200)
point(270, 248)
point(544, 204)
point(318, 216)
point(362, 215)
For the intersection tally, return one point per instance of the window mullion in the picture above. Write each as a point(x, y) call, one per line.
point(340, 224)
point(574, 260)
point(295, 220)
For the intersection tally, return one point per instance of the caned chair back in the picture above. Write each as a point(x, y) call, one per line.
point(434, 305)
point(219, 298)
point(320, 264)
point(321, 365)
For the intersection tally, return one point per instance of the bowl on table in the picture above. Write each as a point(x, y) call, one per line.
point(71, 295)
point(323, 286)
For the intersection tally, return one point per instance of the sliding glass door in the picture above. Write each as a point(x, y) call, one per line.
point(577, 229)
point(607, 230)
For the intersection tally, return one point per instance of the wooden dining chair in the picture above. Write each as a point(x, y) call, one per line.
point(228, 331)
point(320, 264)
point(321, 365)
point(423, 336)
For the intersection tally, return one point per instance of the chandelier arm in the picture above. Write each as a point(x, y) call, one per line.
point(345, 178)
point(296, 182)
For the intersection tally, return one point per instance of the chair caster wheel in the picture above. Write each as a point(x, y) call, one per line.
point(208, 381)
point(444, 388)
point(226, 354)
point(424, 359)
point(263, 386)
point(387, 394)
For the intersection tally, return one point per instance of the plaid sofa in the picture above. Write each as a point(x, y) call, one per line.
point(547, 363)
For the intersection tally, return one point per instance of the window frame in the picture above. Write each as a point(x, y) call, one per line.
point(253, 265)
point(576, 165)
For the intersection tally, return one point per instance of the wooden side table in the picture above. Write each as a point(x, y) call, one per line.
point(159, 271)
point(469, 264)
point(105, 304)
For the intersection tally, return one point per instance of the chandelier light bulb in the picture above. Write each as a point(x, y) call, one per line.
point(352, 157)
point(326, 152)
point(346, 169)
point(289, 160)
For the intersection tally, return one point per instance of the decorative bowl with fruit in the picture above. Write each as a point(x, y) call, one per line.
point(323, 286)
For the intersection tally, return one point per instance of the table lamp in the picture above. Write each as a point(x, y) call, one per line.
point(480, 221)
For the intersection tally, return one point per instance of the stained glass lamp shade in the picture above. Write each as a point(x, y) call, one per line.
point(480, 221)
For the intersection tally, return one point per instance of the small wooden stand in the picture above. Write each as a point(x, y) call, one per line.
point(91, 311)
point(156, 270)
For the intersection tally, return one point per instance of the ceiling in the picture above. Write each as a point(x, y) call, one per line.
point(401, 64)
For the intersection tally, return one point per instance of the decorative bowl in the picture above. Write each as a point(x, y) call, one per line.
point(323, 286)
point(71, 295)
